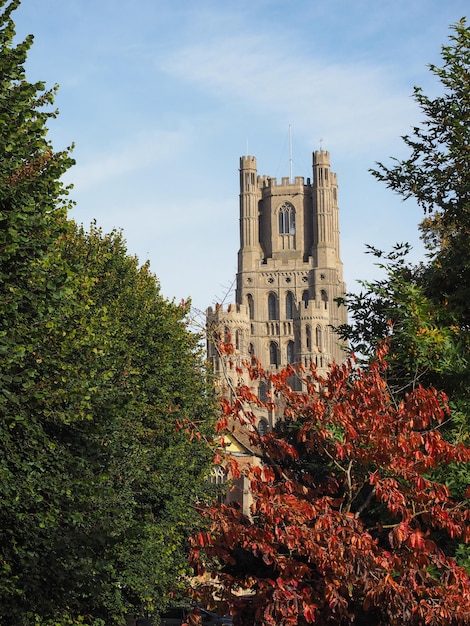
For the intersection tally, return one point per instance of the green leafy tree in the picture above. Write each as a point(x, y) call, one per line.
point(428, 306)
point(437, 176)
point(149, 383)
point(426, 346)
point(100, 377)
point(424, 310)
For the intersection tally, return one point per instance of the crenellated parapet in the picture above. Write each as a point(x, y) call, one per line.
point(266, 182)
point(228, 311)
point(229, 324)
point(248, 162)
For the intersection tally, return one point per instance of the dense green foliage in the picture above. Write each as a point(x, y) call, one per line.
point(437, 176)
point(427, 306)
point(98, 369)
point(425, 309)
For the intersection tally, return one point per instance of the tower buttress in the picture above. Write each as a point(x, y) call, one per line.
point(326, 223)
point(250, 252)
point(328, 272)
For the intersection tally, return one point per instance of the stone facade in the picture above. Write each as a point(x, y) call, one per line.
point(289, 271)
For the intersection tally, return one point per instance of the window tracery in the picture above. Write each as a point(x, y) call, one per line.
point(287, 219)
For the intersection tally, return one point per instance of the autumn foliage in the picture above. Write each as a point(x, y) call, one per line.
point(347, 524)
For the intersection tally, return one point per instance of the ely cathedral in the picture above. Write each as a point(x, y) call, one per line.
point(289, 274)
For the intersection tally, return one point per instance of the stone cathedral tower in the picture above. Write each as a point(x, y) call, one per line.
point(289, 274)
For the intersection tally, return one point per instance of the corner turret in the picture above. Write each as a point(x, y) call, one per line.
point(250, 249)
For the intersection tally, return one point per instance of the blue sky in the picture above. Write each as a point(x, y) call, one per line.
point(162, 97)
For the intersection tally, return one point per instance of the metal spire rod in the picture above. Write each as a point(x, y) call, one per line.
point(290, 153)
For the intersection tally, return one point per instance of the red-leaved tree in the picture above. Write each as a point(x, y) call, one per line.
point(347, 525)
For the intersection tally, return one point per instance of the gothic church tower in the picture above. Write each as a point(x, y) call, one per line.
point(289, 272)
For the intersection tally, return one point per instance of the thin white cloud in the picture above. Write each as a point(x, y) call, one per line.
point(343, 101)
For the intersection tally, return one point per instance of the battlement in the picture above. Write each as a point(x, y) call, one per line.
point(266, 182)
point(233, 311)
point(247, 162)
point(321, 157)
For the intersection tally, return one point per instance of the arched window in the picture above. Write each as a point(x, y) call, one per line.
point(289, 306)
point(324, 297)
point(262, 427)
point(290, 352)
point(262, 392)
point(237, 340)
point(227, 335)
point(305, 299)
point(251, 306)
point(318, 337)
point(251, 349)
point(308, 337)
point(273, 354)
point(218, 477)
point(273, 313)
point(287, 219)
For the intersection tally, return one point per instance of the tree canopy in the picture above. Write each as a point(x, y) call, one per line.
point(425, 309)
point(437, 176)
point(347, 525)
point(99, 371)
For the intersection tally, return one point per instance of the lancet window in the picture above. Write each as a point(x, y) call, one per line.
point(287, 219)
point(290, 352)
point(273, 353)
point(273, 312)
point(289, 306)
point(251, 306)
